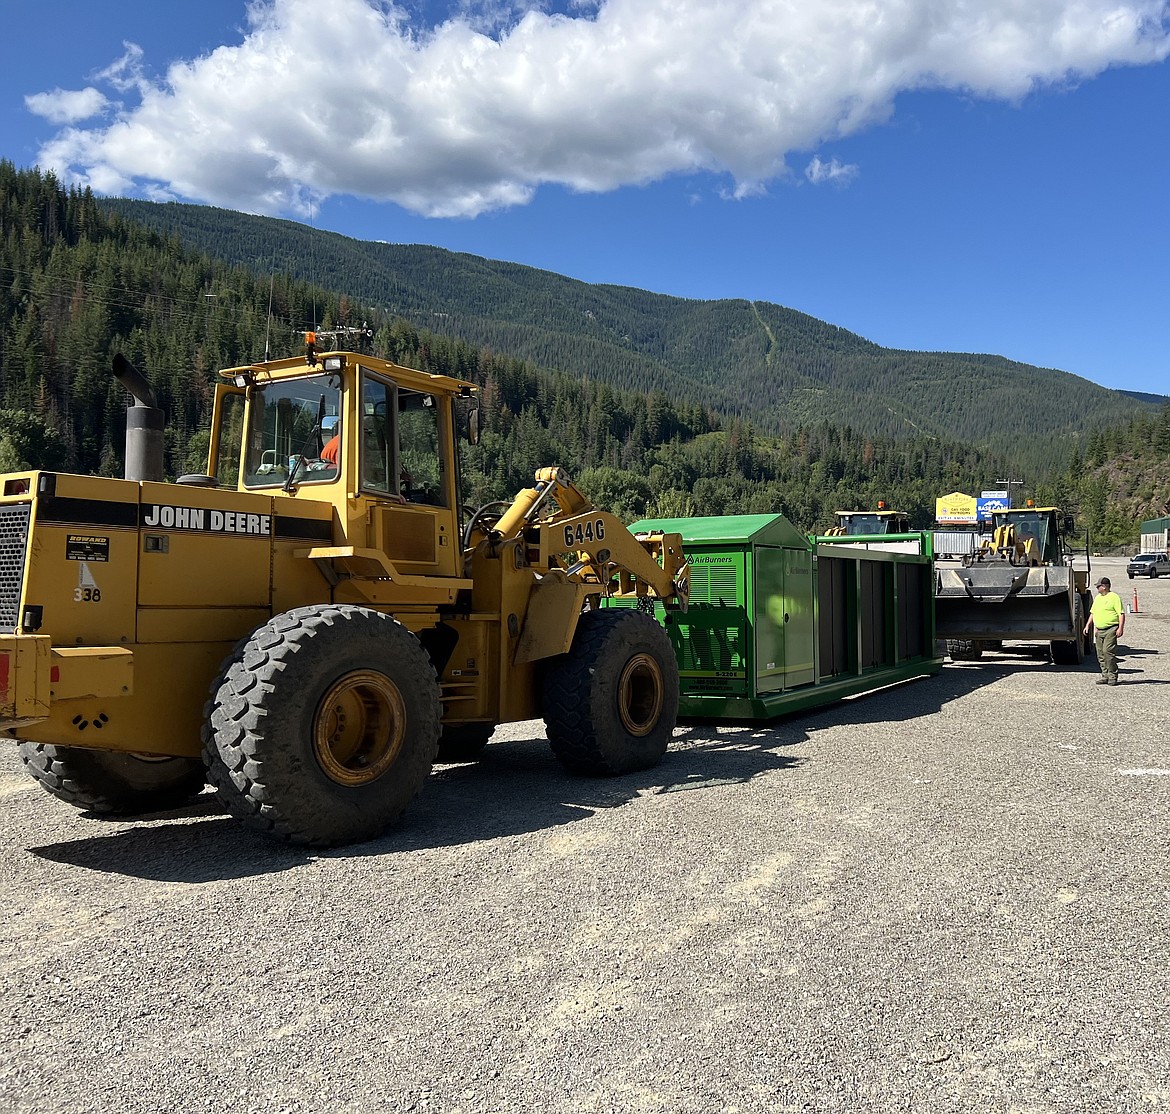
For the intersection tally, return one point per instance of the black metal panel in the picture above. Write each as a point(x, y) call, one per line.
point(836, 622)
point(876, 578)
point(915, 583)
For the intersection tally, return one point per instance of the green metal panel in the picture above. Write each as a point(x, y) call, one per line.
point(785, 617)
point(771, 605)
point(771, 705)
point(799, 618)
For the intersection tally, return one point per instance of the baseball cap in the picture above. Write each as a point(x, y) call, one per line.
point(1104, 582)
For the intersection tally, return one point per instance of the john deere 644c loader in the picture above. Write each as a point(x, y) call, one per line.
point(313, 622)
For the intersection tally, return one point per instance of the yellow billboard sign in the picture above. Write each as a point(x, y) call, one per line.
point(956, 508)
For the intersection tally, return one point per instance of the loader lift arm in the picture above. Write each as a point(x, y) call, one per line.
point(563, 530)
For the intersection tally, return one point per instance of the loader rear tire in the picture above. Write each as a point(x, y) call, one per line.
point(964, 649)
point(465, 743)
point(113, 783)
point(611, 702)
point(323, 725)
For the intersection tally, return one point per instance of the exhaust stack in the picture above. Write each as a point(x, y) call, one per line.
point(145, 423)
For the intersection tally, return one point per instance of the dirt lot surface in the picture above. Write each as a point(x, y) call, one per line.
point(950, 895)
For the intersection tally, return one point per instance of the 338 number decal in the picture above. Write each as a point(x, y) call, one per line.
point(87, 595)
point(577, 534)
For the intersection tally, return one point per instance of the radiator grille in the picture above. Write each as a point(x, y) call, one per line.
point(13, 545)
point(716, 584)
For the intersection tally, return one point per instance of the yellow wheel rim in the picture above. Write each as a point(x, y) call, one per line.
point(640, 693)
point(359, 728)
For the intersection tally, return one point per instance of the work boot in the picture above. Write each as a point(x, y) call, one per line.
point(1113, 680)
point(1101, 681)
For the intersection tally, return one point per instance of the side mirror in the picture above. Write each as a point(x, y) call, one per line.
point(1069, 525)
point(473, 426)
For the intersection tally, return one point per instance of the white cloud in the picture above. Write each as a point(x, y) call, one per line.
point(67, 106)
point(126, 74)
point(834, 171)
point(348, 98)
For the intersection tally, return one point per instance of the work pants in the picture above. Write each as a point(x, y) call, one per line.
point(1107, 652)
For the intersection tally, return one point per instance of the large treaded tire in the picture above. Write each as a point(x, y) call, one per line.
point(323, 725)
point(611, 702)
point(964, 649)
point(1090, 642)
point(1071, 653)
point(465, 743)
point(113, 783)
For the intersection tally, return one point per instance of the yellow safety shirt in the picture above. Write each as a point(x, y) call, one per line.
point(1107, 610)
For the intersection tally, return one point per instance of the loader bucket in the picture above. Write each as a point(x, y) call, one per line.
point(1002, 601)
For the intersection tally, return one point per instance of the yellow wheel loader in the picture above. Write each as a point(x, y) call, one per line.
point(314, 621)
point(1021, 585)
point(869, 523)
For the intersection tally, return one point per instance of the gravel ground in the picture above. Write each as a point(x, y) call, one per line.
point(950, 895)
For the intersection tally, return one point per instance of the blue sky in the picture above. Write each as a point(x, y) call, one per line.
point(930, 174)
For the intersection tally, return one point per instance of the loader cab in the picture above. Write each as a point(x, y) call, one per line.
point(856, 523)
point(374, 439)
point(1039, 524)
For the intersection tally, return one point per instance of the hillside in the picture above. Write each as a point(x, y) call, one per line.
point(780, 367)
point(77, 286)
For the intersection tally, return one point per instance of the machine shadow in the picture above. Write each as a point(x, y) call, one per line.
point(517, 788)
point(906, 700)
point(213, 848)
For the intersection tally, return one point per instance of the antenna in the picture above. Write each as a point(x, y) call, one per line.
point(271, 285)
point(313, 256)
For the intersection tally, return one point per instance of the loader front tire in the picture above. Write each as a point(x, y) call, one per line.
point(1071, 653)
point(611, 702)
point(113, 783)
point(323, 725)
point(965, 649)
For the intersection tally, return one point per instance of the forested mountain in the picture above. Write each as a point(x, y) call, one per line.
point(780, 367)
point(78, 285)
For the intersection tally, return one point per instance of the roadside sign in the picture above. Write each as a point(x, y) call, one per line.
point(955, 507)
point(987, 506)
point(993, 495)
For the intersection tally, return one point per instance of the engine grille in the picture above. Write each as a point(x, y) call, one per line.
point(13, 545)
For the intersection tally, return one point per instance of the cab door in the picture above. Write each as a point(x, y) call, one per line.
point(404, 454)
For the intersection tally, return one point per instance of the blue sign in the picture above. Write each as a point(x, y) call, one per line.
point(985, 507)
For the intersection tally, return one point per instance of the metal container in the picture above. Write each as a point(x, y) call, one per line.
point(779, 622)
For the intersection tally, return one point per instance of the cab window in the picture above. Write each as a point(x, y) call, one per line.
point(292, 421)
point(421, 472)
point(377, 448)
point(231, 437)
